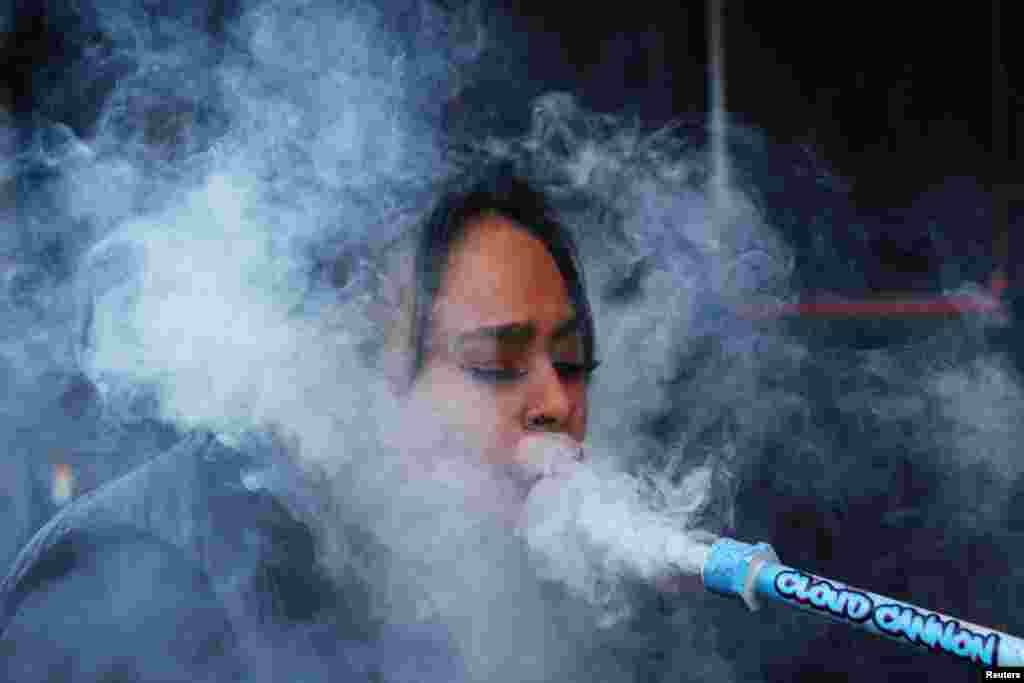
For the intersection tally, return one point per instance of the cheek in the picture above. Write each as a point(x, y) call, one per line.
point(492, 420)
point(470, 407)
point(500, 425)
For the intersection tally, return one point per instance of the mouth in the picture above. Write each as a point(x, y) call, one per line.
point(542, 456)
point(523, 478)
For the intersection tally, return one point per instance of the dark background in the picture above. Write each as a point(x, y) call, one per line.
point(911, 107)
point(895, 97)
point(904, 101)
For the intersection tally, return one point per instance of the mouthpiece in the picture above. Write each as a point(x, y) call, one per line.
point(731, 568)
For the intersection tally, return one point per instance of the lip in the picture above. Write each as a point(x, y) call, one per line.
point(546, 455)
point(535, 444)
point(521, 477)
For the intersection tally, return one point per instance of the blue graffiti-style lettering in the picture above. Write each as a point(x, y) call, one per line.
point(886, 619)
point(934, 632)
point(858, 606)
point(917, 628)
point(789, 584)
point(903, 621)
point(823, 595)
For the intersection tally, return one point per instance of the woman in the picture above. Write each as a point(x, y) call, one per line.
point(497, 338)
point(492, 342)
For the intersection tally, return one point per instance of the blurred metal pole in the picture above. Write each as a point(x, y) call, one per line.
point(719, 180)
point(1001, 157)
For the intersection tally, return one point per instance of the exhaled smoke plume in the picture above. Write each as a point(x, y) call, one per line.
point(595, 529)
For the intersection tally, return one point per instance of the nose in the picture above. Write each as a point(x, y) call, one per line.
point(551, 404)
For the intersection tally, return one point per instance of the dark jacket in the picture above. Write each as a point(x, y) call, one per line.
point(195, 567)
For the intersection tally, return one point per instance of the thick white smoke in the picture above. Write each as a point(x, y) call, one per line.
point(198, 301)
point(596, 527)
point(225, 170)
point(205, 297)
point(199, 292)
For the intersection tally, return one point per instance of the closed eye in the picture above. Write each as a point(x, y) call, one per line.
point(496, 375)
point(566, 371)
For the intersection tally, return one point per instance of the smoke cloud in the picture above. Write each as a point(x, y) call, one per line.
point(205, 253)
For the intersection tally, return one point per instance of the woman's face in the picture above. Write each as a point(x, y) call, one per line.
point(505, 353)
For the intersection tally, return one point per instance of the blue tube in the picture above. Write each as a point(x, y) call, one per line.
point(753, 574)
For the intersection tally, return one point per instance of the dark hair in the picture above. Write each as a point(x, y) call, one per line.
point(499, 190)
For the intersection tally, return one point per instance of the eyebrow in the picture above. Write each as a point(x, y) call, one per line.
point(515, 334)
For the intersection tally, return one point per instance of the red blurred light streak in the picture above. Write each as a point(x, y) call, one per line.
point(885, 306)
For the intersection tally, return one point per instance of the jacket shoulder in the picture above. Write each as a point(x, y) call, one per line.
point(82, 614)
point(191, 500)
